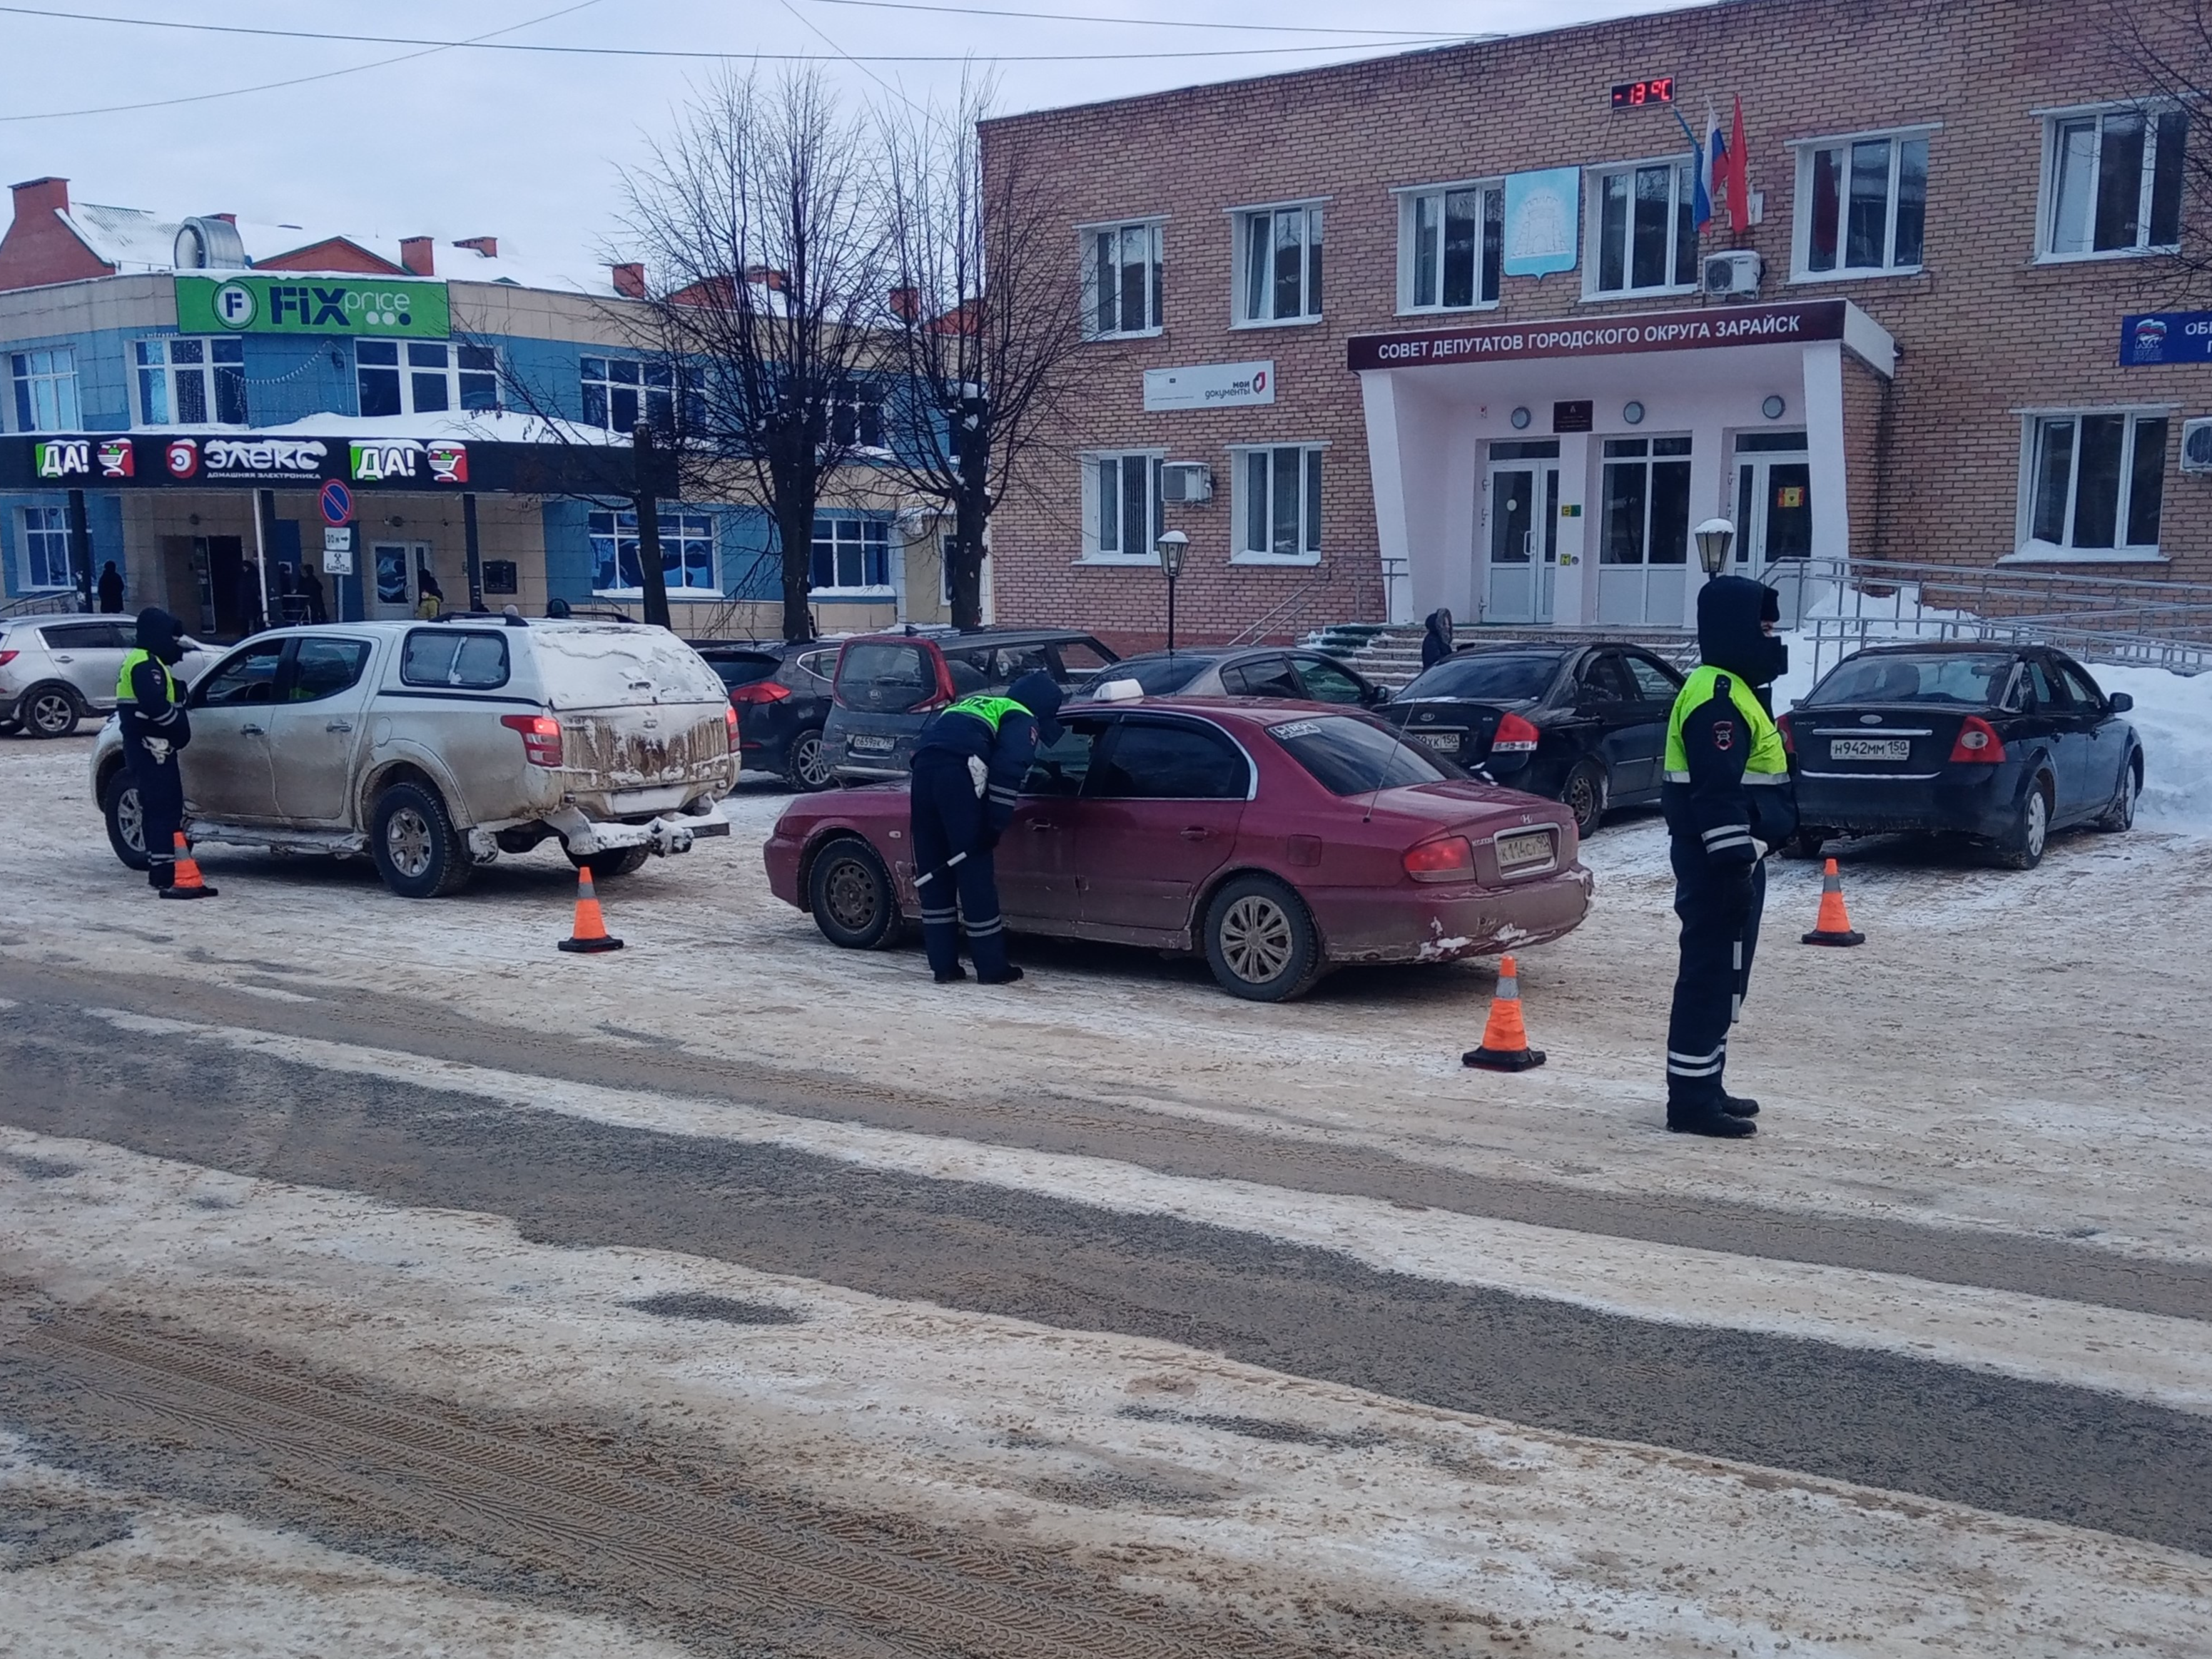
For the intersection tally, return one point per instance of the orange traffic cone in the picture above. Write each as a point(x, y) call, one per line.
point(1833, 926)
point(1504, 1043)
point(590, 933)
point(188, 884)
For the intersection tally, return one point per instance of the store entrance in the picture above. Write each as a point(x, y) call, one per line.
point(1521, 503)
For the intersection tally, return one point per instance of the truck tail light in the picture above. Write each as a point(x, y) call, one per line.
point(1978, 745)
point(731, 716)
point(541, 737)
point(760, 691)
point(1449, 858)
point(1514, 736)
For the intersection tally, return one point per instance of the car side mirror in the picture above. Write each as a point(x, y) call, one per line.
point(1375, 696)
point(2121, 702)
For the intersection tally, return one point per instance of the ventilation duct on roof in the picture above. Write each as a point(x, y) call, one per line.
point(210, 243)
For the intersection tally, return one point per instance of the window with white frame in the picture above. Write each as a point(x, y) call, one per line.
point(851, 556)
point(46, 548)
point(1279, 264)
point(620, 392)
point(191, 381)
point(1124, 276)
point(1278, 505)
point(1121, 516)
point(1451, 247)
point(687, 553)
point(45, 390)
point(424, 377)
point(2112, 181)
point(2096, 481)
point(1862, 204)
point(1643, 231)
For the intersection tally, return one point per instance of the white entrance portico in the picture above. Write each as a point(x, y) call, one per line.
point(1550, 472)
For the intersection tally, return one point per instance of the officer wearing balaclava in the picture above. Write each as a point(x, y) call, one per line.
point(150, 709)
point(1729, 802)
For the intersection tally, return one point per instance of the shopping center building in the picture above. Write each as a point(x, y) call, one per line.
point(210, 405)
point(1453, 328)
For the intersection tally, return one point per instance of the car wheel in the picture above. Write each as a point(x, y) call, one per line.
point(418, 852)
point(48, 711)
point(808, 768)
point(126, 819)
point(1260, 942)
point(2022, 846)
point(618, 862)
point(849, 891)
point(2120, 816)
point(1584, 794)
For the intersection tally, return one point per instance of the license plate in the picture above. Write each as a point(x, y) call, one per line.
point(865, 745)
point(1518, 852)
point(1866, 749)
point(1446, 740)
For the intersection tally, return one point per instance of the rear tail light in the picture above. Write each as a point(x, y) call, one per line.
point(1449, 859)
point(7, 656)
point(1514, 736)
point(1978, 745)
point(760, 691)
point(541, 737)
point(731, 716)
point(1788, 738)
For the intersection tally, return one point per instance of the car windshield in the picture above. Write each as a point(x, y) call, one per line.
point(1350, 756)
point(1973, 682)
point(1488, 677)
point(1158, 676)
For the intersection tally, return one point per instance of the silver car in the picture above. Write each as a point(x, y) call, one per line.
point(433, 747)
point(54, 670)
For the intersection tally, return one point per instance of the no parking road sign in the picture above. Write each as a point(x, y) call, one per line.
point(337, 503)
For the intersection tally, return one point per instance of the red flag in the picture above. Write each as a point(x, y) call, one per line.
point(1739, 174)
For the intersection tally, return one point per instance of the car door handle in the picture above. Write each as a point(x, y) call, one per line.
point(1196, 832)
point(1038, 826)
point(339, 726)
point(59, 657)
point(251, 732)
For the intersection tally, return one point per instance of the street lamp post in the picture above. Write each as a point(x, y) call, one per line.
point(1172, 546)
point(1714, 537)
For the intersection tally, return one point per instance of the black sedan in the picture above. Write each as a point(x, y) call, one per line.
point(2002, 743)
point(1266, 671)
point(1585, 724)
point(781, 694)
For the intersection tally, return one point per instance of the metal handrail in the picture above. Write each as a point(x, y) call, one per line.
point(60, 604)
point(1290, 605)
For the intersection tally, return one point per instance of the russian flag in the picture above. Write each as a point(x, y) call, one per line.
point(1713, 171)
point(1701, 168)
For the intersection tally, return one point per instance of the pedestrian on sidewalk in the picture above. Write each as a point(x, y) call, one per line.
point(150, 710)
point(310, 592)
point(1438, 641)
point(111, 590)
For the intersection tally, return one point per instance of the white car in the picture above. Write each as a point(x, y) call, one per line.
point(55, 670)
point(434, 746)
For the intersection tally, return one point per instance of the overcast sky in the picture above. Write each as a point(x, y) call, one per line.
point(527, 146)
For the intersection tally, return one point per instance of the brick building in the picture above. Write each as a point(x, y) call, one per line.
point(1441, 329)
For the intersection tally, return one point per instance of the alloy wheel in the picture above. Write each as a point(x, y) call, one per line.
point(50, 714)
point(2039, 822)
point(1257, 940)
point(407, 842)
point(808, 762)
point(131, 820)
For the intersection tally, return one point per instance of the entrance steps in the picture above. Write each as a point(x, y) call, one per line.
point(1391, 655)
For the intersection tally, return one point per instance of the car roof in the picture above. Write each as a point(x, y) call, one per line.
point(977, 637)
point(1950, 648)
point(1527, 648)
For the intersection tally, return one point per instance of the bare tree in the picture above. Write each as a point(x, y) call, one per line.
point(2165, 47)
point(758, 219)
point(986, 309)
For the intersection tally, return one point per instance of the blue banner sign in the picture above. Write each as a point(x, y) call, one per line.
point(2167, 337)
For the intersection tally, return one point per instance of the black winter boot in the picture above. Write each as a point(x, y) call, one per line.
point(1739, 1106)
point(1713, 1121)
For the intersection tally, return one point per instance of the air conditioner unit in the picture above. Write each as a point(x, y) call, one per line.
point(1186, 484)
point(2197, 446)
point(1732, 275)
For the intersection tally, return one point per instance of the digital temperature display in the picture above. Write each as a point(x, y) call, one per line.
point(1634, 94)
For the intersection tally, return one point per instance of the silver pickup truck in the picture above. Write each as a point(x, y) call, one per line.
point(433, 747)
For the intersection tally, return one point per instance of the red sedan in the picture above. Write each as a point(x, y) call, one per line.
point(1282, 839)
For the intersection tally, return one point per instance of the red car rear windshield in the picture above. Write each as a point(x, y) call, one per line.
point(1348, 757)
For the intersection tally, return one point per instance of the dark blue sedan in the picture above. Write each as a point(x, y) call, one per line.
point(1999, 742)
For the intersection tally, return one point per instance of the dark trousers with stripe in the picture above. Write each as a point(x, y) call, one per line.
point(1720, 908)
point(161, 803)
point(954, 875)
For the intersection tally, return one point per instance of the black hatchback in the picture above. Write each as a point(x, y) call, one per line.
point(781, 694)
point(1999, 742)
point(1585, 724)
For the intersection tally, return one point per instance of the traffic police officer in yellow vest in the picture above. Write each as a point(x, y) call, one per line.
point(1729, 802)
point(149, 710)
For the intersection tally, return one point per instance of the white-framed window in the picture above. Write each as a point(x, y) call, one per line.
point(1276, 504)
point(45, 548)
point(620, 392)
point(1643, 234)
point(1451, 246)
point(1646, 517)
point(1121, 516)
point(1277, 264)
point(2093, 482)
point(1124, 278)
point(687, 553)
point(851, 556)
point(45, 390)
point(2111, 181)
point(1861, 205)
point(193, 382)
point(424, 377)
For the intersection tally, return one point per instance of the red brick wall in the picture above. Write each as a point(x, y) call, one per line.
point(1984, 331)
point(39, 247)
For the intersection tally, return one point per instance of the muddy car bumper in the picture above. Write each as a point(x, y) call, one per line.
point(1445, 923)
point(669, 832)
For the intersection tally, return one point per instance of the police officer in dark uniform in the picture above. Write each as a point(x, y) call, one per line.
point(968, 771)
point(1729, 802)
point(149, 707)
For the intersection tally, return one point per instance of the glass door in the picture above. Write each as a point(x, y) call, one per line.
point(1774, 513)
point(392, 565)
point(1522, 544)
point(1644, 541)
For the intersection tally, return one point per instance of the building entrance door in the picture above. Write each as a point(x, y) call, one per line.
point(1774, 513)
point(1643, 542)
point(1521, 500)
point(392, 566)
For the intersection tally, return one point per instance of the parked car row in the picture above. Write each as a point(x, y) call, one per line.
point(56, 671)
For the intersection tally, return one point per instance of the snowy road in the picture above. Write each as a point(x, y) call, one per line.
point(359, 1254)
